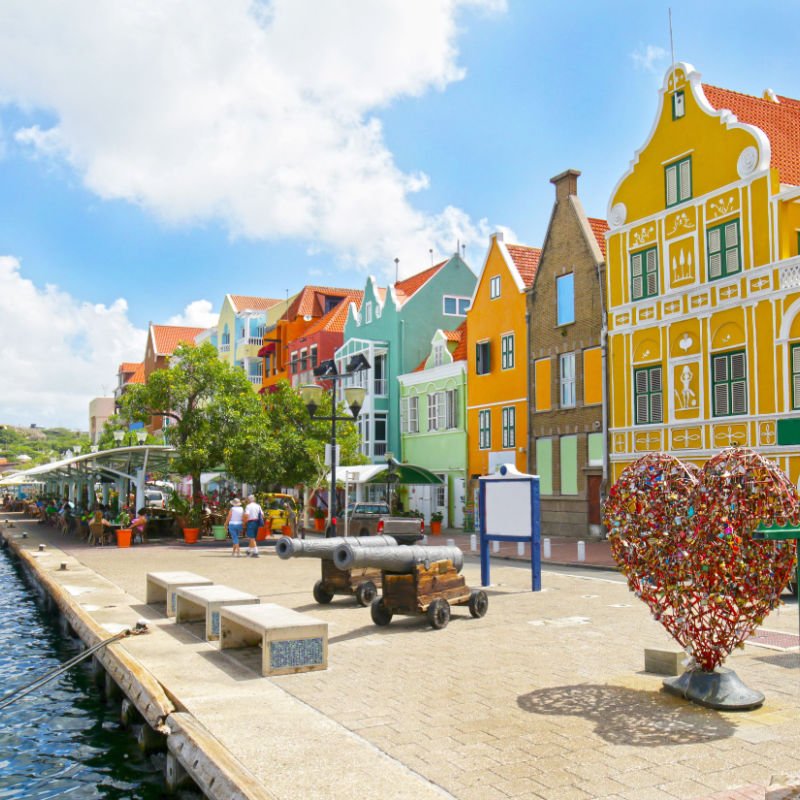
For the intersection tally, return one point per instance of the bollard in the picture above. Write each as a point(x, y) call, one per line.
point(451, 542)
point(473, 542)
point(581, 551)
point(520, 548)
point(42, 548)
point(495, 546)
point(24, 535)
point(63, 565)
point(548, 552)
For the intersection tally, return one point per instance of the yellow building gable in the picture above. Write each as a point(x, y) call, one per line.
point(703, 278)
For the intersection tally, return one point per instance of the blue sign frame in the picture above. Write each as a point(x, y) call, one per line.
point(534, 538)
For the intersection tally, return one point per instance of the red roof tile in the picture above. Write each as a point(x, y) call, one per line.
point(460, 336)
point(408, 286)
point(336, 318)
point(138, 374)
point(244, 301)
point(599, 228)
point(167, 337)
point(129, 366)
point(780, 122)
point(310, 300)
point(526, 260)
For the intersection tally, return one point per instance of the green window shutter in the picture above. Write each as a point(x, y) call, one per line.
point(656, 405)
point(720, 376)
point(652, 272)
point(738, 384)
point(724, 250)
point(637, 277)
point(544, 465)
point(732, 247)
point(685, 179)
point(569, 464)
point(714, 253)
point(796, 376)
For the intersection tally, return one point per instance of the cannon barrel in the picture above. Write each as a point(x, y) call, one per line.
point(400, 558)
point(323, 548)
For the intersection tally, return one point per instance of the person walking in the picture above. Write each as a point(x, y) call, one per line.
point(253, 520)
point(233, 523)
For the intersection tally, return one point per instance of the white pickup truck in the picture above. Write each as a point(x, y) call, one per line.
point(373, 519)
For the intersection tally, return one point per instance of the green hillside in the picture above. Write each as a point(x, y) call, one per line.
point(40, 444)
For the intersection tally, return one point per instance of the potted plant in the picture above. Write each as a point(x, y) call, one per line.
point(319, 519)
point(436, 522)
point(188, 517)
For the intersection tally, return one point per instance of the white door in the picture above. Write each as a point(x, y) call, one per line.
point(459, 499)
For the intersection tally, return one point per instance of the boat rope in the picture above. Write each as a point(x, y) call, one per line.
point(19, 693)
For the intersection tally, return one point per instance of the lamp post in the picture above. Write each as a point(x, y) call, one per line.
point(120, 436)
point(312, 394)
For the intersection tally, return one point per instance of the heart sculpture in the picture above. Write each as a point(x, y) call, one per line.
point(683, 538)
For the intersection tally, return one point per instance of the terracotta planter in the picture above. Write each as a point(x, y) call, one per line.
point(262, 533)
point(287, 530)
point(190, 535)
point(124, 537)
point(319, 524)
point(436, 528)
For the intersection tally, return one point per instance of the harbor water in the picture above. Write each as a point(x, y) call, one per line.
point(63, 740)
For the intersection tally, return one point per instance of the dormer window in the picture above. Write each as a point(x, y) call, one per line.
point(494, 287)
point(678, 105)
point(368, 312)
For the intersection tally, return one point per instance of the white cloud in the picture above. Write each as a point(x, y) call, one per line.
point(259, 114)
point(649, 58)
point(57, 352)
point(197, 314)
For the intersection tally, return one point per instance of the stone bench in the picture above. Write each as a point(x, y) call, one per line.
point(162, 586)
point(290, 641)
point(203, 603)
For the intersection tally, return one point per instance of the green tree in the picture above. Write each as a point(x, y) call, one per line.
point(285, 447)
point(207, 402)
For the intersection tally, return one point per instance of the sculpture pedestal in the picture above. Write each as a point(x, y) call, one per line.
point(721, 689)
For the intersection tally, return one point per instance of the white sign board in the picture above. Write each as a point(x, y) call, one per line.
point(508, 508)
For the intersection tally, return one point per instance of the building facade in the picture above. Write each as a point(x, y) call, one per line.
point(565, 341)
point(497, 356)
point(393, 330)
point(704, 279)
point(433, 426)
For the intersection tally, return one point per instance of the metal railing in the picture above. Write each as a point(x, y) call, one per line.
point(380, 386)
point(225, 348)
point(255, 379)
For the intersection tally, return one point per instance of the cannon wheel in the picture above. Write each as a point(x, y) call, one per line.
point(439, 614)
point(381, 615)
point(478, 603)
point(321, 594)
point(366, 592)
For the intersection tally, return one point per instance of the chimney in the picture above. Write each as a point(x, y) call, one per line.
point(566, 184)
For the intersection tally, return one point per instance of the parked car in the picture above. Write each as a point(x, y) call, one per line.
point(374, 519)
point(155, 498)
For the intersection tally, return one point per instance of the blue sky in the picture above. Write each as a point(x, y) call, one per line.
point(157, 155)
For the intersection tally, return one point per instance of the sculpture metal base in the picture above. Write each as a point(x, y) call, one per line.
point(721, 689)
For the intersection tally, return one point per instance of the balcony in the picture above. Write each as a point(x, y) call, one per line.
point(256, 380)
point(225, 348)
point(380, 387)
point(245, 340)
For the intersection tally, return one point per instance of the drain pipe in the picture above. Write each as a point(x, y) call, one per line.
point(604, 379)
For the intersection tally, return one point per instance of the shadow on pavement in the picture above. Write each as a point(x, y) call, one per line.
point(631, 717)
point(787, 660)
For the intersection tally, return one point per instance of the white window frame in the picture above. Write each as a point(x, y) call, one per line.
point(507, 351)
point(451, 409)
point(458, 301)
point(509, 421)
point(566, 378)
point(368, 312)
point(438, 354)
point(436, 411)
point(494, 287)
point(484, 429)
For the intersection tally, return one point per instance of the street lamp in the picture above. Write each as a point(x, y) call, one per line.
point(119, 436)
point(312, 395)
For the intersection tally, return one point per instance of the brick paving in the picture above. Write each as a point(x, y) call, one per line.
point(545, 697)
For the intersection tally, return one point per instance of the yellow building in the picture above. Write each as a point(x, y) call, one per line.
point(703, 279)
point(497, 356)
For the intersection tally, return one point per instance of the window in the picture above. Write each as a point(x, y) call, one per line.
point(451, 409)
point(482, 358)
point(568, 446)
point(313, 356)
point(293, 364)
point(648, 395)
point(798, 242)
point(494, 287)
point(509, 427)
point(544, 465)
point(484, 429)
point(368, 312)
point(507, 351)
point(436, 411)
point(566, 366)
point(379, 445)
point(678, 105)
point(678, 181)
point(455, 306)
point(729, 380)
point(723, 250)
point(596, 449)
point(644, 274)
point(409, 414)
point(303, 360)
point(565, 292)
point(438, 354)
point(795, 370)
point(379, 373)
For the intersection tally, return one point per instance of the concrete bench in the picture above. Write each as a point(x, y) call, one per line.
point(290, 642)
point(162, 586)
point(196, 603)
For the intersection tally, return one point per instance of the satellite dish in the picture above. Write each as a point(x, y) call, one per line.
point(307, 318)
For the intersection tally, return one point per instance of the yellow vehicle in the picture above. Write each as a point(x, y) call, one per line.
point(281, 509)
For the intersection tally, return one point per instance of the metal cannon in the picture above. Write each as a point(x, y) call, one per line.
point(361, 583)
point(323, 548)
point(400, 558)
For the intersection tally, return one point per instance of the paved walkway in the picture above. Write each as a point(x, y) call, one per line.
point(545, 697)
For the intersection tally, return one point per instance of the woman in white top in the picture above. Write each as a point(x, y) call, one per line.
point(253, 520)
point(234, 524)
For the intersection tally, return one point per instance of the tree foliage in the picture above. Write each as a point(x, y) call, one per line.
point(206, 401)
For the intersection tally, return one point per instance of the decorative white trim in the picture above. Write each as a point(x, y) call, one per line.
point(747, 162)
point(617, 215)
point(453, 369)
point(498, 403)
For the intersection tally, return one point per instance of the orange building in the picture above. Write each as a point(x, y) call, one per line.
point(497, 356)
point(309, 305)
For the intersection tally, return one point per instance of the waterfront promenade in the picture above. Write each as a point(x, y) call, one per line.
point(545, 697)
